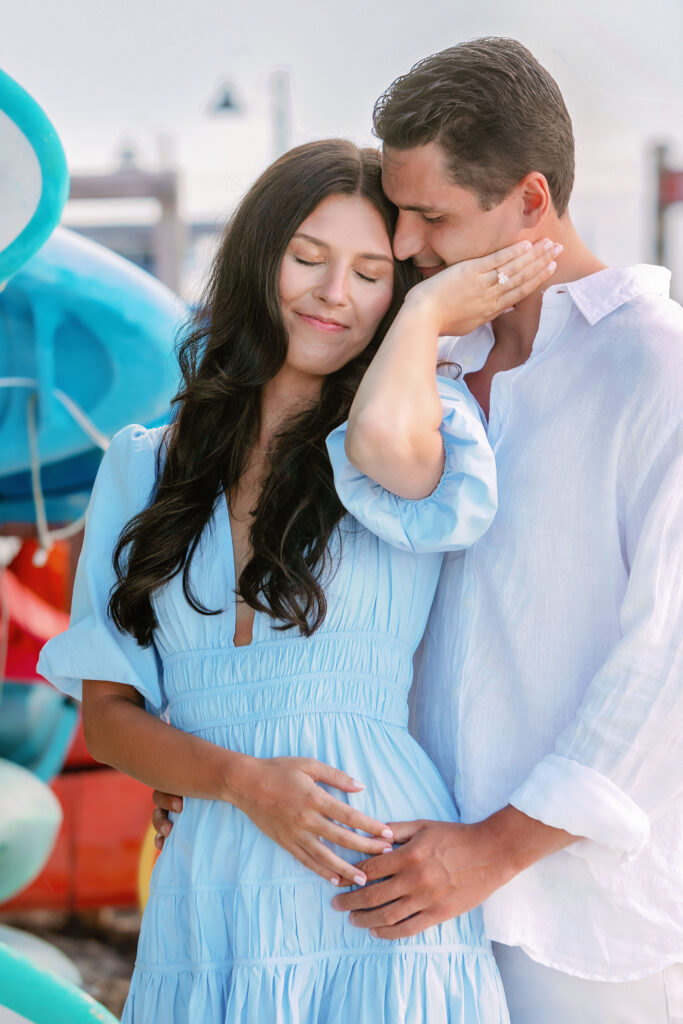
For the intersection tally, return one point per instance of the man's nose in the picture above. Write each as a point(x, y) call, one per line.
point(408, 239)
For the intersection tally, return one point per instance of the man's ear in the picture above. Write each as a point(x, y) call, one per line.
point(535, 199)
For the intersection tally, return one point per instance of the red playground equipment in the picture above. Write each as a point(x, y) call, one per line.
point(96, 860)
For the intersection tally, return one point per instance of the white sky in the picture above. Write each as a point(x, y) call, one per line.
point(134, 71)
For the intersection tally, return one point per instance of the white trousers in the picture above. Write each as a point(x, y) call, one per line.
point(542, 995)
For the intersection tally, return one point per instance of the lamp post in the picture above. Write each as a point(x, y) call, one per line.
point(227, 101)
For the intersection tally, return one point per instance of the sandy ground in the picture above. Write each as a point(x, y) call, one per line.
point(101, 944)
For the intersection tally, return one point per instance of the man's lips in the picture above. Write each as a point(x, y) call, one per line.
point(322, 324)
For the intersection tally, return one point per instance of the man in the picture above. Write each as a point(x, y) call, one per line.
point(549, 690)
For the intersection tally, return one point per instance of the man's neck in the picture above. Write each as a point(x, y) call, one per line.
point(515, 331)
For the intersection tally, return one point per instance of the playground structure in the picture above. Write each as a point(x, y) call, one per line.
point(86, 346)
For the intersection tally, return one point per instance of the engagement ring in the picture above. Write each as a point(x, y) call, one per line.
point(502, 278)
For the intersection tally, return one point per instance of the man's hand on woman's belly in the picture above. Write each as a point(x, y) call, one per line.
point(443, 869)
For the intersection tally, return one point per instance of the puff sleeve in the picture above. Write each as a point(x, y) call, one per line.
point(462, 506)
point(92, 647)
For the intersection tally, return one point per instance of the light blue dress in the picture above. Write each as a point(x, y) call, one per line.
point(236, 930)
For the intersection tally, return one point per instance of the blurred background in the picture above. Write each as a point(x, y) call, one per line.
point(206, 94)
point(166, 112)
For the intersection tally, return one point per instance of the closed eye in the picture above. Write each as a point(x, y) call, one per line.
point(308, 263)
point(319, 263)
point(431, 220)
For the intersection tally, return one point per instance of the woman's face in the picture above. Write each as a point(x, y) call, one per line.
point(336, 284)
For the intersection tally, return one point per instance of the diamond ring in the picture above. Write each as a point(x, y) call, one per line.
point(502, 277)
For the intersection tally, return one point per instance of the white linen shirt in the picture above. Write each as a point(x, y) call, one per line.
point(551, 673)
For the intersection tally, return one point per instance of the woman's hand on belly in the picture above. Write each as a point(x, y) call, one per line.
point(282, 797)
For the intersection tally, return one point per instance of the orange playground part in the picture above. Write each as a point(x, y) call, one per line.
point(96, 861)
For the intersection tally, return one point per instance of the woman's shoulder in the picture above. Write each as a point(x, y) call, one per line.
point(136, 438)
point(129, 466)
point(136, 442)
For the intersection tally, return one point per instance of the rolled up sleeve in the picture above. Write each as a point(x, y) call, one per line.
point(620, 761)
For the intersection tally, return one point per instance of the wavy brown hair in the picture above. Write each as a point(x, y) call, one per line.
point(235, 343)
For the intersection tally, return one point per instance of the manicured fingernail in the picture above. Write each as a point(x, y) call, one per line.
point(373, 933)
point(165, 830)
point(388, 834)
point(526, 245)
point(557, 249)
point(335, 903)
point(177, 805)
point(388, 849)
point(548, 244)
point(359, 879)
point(552, 266)
point(335, 880)
point(358, 784)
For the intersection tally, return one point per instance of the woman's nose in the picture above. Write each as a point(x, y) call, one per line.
point(332, 287)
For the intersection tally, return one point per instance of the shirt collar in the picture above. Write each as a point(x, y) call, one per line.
point(594, 296)
point(600, 294)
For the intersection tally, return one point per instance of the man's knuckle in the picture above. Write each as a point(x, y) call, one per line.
point(411, 858)
point(373, 896)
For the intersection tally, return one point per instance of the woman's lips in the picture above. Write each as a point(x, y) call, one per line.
point(327, 326)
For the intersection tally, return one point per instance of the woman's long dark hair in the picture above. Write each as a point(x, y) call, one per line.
point(232, 347)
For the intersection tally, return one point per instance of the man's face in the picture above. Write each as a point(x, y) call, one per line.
point(440, 223)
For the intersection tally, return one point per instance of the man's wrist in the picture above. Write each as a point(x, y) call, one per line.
point(521, 841)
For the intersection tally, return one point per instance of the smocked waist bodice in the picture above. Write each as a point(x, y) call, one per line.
point(364, 673)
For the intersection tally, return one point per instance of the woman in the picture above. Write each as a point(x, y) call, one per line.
point(275, 634)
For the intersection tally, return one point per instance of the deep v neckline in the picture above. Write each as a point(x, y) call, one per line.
point(234, 576)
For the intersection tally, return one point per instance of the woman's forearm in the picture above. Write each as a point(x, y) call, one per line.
point(119, 732)
point(393, 433)
point(280, 795)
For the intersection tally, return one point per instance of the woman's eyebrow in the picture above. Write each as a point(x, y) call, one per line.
point(361, 255)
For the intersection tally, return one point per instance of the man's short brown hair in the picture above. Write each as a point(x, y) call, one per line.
point(494, 110)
